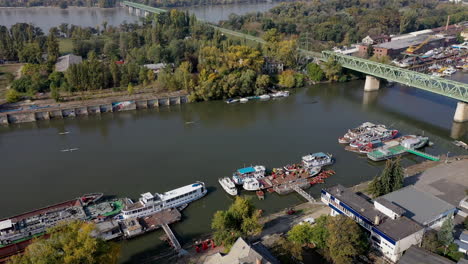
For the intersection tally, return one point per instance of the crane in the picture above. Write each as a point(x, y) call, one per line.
point(411, 49)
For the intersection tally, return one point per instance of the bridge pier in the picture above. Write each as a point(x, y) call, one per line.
point(372, 84)
point(130, 9)
point(146, 13)
point(461, 113)
point(458, 130)
point(138, 12)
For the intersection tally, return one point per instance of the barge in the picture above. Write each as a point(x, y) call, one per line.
point(398, 147)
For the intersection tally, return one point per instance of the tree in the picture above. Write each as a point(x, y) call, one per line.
point(53, 50)
point(315, 72)
point(445, 234)
point(465, 222)
point(54, 92)
point(346, 240)
point(286, 79)
point(390, 180)
point(241, 219)
point(31, 53)
point(69, 243)
point(320, 233)
point(370, 51)
point(261, 84)
point(332, 69)
point(12, 96)
point(301, 234)
point(430, 242)
point(130, 89)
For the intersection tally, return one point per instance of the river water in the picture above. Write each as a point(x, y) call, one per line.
point(155, 150)
point(47, 17)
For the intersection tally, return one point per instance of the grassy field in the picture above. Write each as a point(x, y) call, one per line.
point(66, 46)
point(4, 70)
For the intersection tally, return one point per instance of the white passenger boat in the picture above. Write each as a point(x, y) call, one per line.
point(264, 97)
point(231, 101)
point(280, 94)
point(449, 71)
point(228, 185)
point(318, 159)
point(257, 172)
point(354, 133)
point(243, 100)
point(151, 203)
point(314, 170)
point(251, 184)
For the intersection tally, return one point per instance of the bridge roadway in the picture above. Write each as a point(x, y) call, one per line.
point(441, 86)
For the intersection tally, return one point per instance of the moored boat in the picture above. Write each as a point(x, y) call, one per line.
point(377, 134)
point(353, 133)
point(231, 101)
point(398, 147)
point(151, 203)
point(257, 172)
point(264, 97)
point(243, 100)
point(251, 184)
point(318, 159)
point(228, 185)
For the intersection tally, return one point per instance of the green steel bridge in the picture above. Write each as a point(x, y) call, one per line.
point(449, 88)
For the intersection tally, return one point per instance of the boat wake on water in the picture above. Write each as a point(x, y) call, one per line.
point(69, 150)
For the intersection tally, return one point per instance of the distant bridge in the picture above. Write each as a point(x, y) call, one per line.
point(449, 88)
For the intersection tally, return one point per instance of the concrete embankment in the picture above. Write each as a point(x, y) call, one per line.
point(59, 111)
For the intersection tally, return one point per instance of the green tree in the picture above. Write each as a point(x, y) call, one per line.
point(430, 241)
point(241, 219)
point(390, 180)
point(332, 70)
point(69, 243)
point(54, 92)
point(445, 234)
point(12, 96)
point(315, 72)
point(370, 51)
point(31, 53)
point(320, 233)
point(130, 89)
point(301, 234)
point(261, 84)
point(53, 51)
point(346, 240)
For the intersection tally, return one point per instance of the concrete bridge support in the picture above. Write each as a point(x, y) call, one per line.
point(372, 84)
point(130, 9)
point(138, 12)
point(461, 113)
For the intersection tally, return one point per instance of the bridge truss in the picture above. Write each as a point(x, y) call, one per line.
point(449, 88)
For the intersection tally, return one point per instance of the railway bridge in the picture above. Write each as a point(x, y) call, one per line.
point(373, 70)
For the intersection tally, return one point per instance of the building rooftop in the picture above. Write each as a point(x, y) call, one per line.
point(64, 62)
point(395, 208)
point(417, 255)
point(420, 206)
point(402, 43)
point(243, 253)
point(396, 229)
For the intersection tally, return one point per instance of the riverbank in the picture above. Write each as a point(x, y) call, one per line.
point(45, 109)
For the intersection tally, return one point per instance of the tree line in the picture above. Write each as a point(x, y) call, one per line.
point(320, 24)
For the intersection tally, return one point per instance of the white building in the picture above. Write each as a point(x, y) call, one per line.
point(393, 224)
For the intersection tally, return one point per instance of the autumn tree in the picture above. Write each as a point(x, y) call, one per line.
point(69, 243)
point(241, 219)
point(346, 240)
